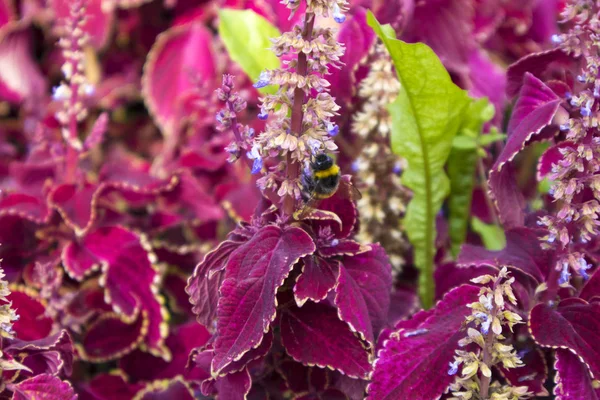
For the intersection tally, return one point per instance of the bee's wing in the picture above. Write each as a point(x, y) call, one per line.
point(311, 204)
point(348, 191)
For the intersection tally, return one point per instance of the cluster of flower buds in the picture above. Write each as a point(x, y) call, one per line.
point(227, 120)
point(378, 170)
point(300, 114)
point(485, 325)
point(73, 91)
point(7, 314)
point(576, 171)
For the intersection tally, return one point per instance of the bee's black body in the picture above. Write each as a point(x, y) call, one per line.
point(322, 180)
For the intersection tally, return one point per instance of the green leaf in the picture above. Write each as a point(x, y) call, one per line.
point(461, 170)
point(246, 36)
point(492, 235)
point(425, 118)
point(485, 140)
point(463, 142)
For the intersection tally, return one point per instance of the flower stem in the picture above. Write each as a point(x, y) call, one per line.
point(293, 168)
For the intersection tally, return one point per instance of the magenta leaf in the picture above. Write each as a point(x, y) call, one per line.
point(203, 286)
point(193, 200)
point(408, 359)
point(234, 386)
point(130, 280)
point(29, 207)
point(342, 247)
point(33, 323)
point(111, 337)
point(522, 254)
point(111, 387)
point(346, 212)
point(98, 19)
point(43, 387)
point(314, 335)
point(180, 56)
point(535, 108)
point(450, 275)
point(507, 197)
point(550, 157)
point(76, 204)
point(253, 273)
point(591, 288)
point(166, 389)
point(97, 132)
point(51, 355)
point(363, 292)
point(573, 381)
point(574, 324)
point(318, 277)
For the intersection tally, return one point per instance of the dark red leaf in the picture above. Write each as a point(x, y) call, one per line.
point(33, 323)
point(167, 389)
point(52, 354)
point(314, 335)
point(574, 324)
point(409, 357)
point(573, 381)
point(318, 277)
point(110, 387)
point(254, 272)
point(532, 374)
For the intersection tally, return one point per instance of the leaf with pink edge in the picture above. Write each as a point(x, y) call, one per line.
point(203, 286)
point(314, 335)
point(318, 277)
point(234, 386)
point(96, 135)
point(166, 389)
point(33, 323)
point(193, 200)
point(406, 359)
point(111, 337)
point(130, 280)
point(535, 108)
point(43, 387)
point(342, 247)
point(20, 76)
point(574, 324)
point(573, 381)
point(345, 209)
point(523, 254)
point(449, 275)
point(363, 292)
point(78, 261)
point(253, 274)
point(180, 56)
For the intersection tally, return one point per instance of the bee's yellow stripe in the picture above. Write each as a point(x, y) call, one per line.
point(333, 170)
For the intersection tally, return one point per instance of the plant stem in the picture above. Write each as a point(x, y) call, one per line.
point(293, 168)
point(486, 191)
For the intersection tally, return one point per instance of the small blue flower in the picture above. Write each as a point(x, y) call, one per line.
point(263, 115)
point(397, 169)
point(586, 112)
point(250, 133)
point(220, 116)
point(453, 367)
point(264, 79)
point(568, 95)
point(355, 165)
point(257, 165)
point(581, 78)
point(564, 275)
point(335, 242)
point(60, 93)
point(565, 127)
point(556, 39)
point(337, 14)
point(596, 92)
point(332, 129)
point(551, 238)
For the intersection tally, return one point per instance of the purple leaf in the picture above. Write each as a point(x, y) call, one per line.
point(254, 272)
point(550, 157)
point(52, 354)
point(450, 275)
point(180, 55)
point(169, 389)
point(318, 277)
point(314, 335)
point(403, 303)
point(535, 64)
point(203, 286)
point(507, 197)
point(342, 247)
point(591, 288)
point(130, 280)
point(573, 325)
point(234, 386)
point(33, 323)
point(31, 208)
point(111, 337)
point(43, 387)
point(110, 387)
point(77, 205)
point(522, 254)
point(535, 109)
point(573, 381)
point(345, 210)
point(363, 292)
point(406, 361)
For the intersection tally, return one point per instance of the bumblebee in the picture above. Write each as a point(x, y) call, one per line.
point(321, 180)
